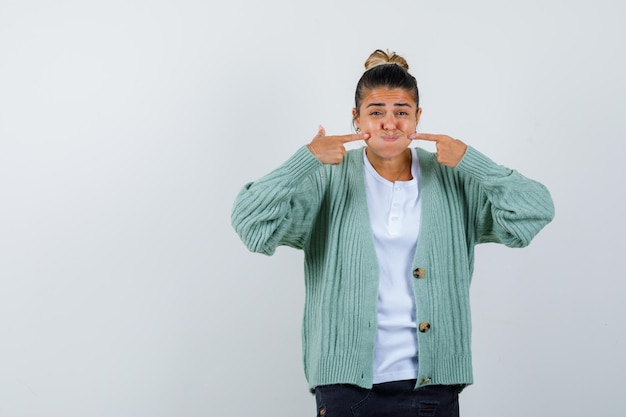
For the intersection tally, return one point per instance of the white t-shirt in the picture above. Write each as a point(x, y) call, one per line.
point(394, 210)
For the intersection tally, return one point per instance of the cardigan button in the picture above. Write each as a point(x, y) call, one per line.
point(424, 326)
point(419, 273)
point(425, 381)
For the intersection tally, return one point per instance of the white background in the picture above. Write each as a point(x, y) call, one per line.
point(127, 128)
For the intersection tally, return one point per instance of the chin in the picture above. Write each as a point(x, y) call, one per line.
point(387, 151)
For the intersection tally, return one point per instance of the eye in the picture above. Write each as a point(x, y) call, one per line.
point(403, 113)
point(375, 113)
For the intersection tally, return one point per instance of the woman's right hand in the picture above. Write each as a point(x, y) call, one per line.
point(331, 149)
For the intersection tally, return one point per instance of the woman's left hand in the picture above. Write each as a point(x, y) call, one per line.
point(450, 151)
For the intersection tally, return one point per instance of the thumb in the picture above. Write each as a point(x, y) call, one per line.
point(321, 131)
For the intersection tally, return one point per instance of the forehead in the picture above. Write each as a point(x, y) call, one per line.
point(388, 96)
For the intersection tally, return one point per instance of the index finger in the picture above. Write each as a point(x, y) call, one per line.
point(354, 137)
point(427, 136)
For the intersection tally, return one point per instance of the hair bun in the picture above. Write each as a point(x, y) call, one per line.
point(380, 57)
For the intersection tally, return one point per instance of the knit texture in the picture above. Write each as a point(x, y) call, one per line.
point(322, 209)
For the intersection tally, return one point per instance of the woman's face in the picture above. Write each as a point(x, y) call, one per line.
point(389, 116)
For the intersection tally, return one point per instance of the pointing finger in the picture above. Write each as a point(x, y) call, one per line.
point(426, 136)
point(354, 137)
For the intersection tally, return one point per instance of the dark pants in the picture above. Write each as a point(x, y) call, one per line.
point(391, 399)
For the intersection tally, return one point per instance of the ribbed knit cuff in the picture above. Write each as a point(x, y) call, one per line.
point(300, 164)
point(480, 166)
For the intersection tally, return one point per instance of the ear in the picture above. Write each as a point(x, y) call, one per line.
point(355, 118)
point(418, 114)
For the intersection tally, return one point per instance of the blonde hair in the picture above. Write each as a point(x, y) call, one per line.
point(380, 57)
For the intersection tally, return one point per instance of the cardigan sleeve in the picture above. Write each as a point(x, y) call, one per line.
point(509, 208)
point(279, 208)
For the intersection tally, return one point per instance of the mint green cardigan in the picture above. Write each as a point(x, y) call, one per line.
point(322, 209)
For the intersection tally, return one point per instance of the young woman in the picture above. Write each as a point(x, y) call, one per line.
point(388, 232)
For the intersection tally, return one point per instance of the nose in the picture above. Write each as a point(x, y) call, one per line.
point(389, 124)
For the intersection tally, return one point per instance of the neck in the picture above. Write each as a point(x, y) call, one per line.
point(396, 169)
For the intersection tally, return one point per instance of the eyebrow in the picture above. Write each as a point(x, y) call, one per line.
point(383, 105)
